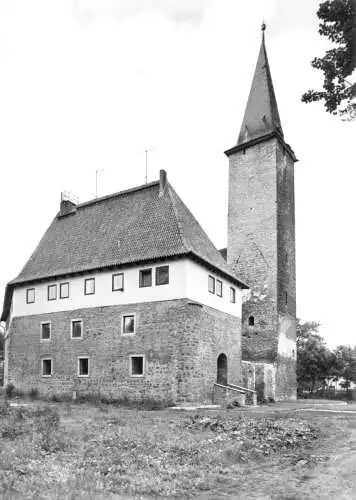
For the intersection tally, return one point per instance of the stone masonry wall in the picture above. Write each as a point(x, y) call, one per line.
point(179, 339)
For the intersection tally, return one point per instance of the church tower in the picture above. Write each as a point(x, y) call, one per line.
point(261, 237)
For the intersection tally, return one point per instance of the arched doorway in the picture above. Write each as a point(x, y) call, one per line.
point(222, 369)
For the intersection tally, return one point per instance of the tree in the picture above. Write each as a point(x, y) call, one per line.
point(346, 364)
point(315, 362)
point(338, 24)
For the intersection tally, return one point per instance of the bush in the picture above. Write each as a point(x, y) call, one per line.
point(9, 390)
point(33, 393)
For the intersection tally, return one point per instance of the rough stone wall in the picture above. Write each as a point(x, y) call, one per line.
point(179, 339)
point(224, 396)
point(261, 248)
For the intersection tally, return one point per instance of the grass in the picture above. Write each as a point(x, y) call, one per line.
point(67, 450)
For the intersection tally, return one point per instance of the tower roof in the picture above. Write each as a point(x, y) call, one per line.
point(261, 114)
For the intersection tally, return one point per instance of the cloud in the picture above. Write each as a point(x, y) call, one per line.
point(180, 11)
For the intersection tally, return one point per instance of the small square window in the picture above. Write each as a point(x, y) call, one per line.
point(30, 295)
point(52, 292)
point(219, 288)
point(232, 295)
point(162, 275)
point(89, 286)
point(46, 331)
point(145, 277)
point(118, 282)
point(77, 328)
point(211, 284)
point(128, 324)
point(64, 290)
point(83, 367)
point(46, 367)
point(137, 366)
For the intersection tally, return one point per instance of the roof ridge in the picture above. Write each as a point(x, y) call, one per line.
point(175, 211)
point(118, 193)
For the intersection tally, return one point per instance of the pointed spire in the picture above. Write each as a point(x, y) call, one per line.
point(261, 114)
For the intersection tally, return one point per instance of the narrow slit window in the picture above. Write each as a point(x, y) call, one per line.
point(118, 282)
point(232, 295)
point(211, 284)
point(145, 278)
point(162, 275)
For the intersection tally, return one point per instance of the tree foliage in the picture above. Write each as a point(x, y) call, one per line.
point(338, 24)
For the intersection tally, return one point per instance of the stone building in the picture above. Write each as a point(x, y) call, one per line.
point(126, 296)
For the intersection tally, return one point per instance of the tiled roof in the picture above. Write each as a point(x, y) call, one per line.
point(141, 224)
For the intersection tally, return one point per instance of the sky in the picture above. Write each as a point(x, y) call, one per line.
point(89, 85)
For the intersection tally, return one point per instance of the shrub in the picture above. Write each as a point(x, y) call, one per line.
point(33, 393)
point(9, 390)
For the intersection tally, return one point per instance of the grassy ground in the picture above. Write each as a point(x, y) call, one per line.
point(85, 451)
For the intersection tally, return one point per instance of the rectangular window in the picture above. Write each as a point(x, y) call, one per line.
point(162, 275)
point(89, 286)
point(211, 284)
point(30, 295)
point(118, 282)
point(77, 328)
point(52, 292)
point(219, 288)
point(83, 367)
point(145, 277)
point(64, 290)
point(46, 331)
point(232, 295)
point(46, 367)
point(128, 324)
point(137, 366)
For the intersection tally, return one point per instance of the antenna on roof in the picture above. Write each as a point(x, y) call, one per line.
point(146, 151)
point(96, 180)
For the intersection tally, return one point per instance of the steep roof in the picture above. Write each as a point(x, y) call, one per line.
point(261, 114)
point(141, 224)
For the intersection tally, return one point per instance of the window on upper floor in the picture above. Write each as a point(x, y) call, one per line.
point(89, 286)
point(219, 288)
point(211, 284)
point(64, 290)
point(77, 329)
point(46, 367)
point(137, 365)
point(128, 324)
point(251, 321)
point(162, 275)
point(46, 330)
point(118, 282)
point(232, 295)
point(30, 295)
point(52, 292)
point(83, 366)
point(145, 278)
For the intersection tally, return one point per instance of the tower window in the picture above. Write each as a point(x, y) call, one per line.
point(286, 298)
point(251, 321)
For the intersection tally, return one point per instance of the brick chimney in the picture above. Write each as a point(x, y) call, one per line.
point(68, 204)
point(162, 182)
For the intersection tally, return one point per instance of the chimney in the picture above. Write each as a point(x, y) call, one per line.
point(68, 204)
point(162, 182)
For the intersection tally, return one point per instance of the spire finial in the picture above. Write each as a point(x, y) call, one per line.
point(263, 29)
